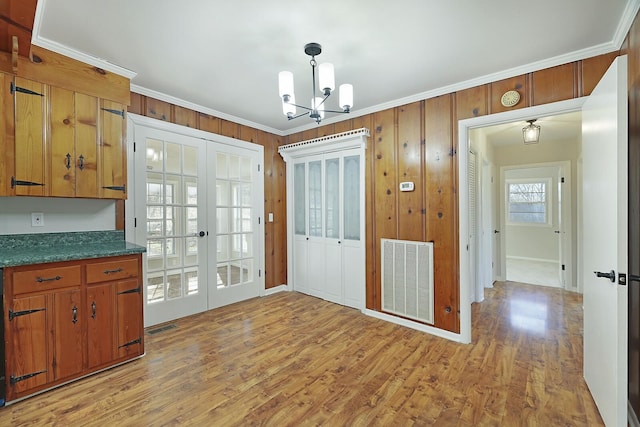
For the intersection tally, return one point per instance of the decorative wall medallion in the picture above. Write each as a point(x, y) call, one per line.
point(510, 98)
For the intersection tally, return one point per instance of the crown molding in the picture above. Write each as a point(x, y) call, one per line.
point(628, 16)
point(201, 109)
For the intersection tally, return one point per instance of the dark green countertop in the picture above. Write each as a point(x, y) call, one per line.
point(24, 249)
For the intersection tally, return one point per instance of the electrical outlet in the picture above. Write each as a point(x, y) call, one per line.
point(37, 219)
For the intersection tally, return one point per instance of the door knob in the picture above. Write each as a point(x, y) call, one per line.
point(201, 234)
point(557, 231)
point(496, 231)
point(610, 275)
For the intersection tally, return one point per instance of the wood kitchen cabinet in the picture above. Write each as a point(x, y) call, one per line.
point(30, 101)
point(69, 319)
point(74, 148)
point(61, 143)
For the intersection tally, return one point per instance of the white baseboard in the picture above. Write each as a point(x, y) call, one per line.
point(415, 325)
point(524, 258)
point(276, 289)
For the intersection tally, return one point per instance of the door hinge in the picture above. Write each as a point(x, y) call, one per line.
point(130, 291)
point(258, 220)
point(562, 267)
point(127, 344)
point(562, 180)
point(258, 167)
point(112, 111)
point(122, 188)
point(14, 314)
point(259, 273)
point(135, 222)
point(15, 182)
point(13, 89)
point(134, 147)
point(13, 380)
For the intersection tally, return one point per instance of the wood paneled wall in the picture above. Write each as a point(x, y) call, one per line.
point(274, 173)
point(417, 142)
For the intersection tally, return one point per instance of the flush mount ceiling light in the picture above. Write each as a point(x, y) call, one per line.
point(531, 132)
point(326, 84)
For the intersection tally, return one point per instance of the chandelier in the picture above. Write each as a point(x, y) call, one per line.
point(326, 84)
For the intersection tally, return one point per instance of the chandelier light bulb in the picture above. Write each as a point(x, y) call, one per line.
point(346, 97)
point(326, 78)
point(285, 84)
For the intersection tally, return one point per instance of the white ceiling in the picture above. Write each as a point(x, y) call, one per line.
point(562, 127)
point(223, 57)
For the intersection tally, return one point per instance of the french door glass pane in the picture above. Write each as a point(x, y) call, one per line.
point(352, 197)
point(315, 198)
point(299, 198)
point(234, 214)
point(332, 197)
point(172, 220)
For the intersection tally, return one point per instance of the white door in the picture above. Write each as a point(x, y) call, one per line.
point(604, 150)
point(236, 200)
point(170, 180)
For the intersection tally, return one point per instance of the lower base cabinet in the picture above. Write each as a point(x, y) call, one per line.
point(66, 320)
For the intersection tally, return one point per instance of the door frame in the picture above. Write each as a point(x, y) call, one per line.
point(564, 218)
point(463, 145)
point(208, 137)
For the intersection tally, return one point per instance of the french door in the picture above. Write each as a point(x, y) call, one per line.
point(171, 221)
point(198, 208)
point(238, 196)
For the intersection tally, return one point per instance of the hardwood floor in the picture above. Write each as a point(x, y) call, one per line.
point(291, 359)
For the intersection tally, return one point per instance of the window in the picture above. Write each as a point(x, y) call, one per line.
point(528, 202)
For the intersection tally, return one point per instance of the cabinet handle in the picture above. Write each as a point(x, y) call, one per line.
point(74, 310)
point(81, 163)
point(117, 270)
point(47, 279)
point(93, 310)
point(68, 156)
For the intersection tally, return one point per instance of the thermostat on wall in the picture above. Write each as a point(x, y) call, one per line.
point(406, 186)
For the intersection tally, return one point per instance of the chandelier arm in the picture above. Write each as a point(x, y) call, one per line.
point(321, 102)
point(336, 111)
point(299, 115)
point(299, 106)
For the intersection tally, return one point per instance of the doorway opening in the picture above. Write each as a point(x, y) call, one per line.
point(489, 238)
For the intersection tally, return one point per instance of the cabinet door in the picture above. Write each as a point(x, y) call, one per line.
point(27, 365)
point(100, 327)
point(129, 318)
point(113, 171)
point(30, 165)
point(86, 160)
point(67, 332)
point(7, 136)
point(63, 171)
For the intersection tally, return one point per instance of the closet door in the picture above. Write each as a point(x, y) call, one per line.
point(353, 267)
point(300, 239)
point(333, 228)
point(316, 267)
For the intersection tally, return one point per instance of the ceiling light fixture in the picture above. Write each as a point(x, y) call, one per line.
point(531, 132)
point(326, 83)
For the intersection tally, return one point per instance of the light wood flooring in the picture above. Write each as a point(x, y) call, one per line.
point(294, 360)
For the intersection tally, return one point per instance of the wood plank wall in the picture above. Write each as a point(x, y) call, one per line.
point(274, 173)
point(416, 142)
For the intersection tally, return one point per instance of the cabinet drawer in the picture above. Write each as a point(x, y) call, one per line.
point(112, 270)
point(45, 278)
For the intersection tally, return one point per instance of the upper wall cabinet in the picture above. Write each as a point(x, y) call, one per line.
point(60, 143)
